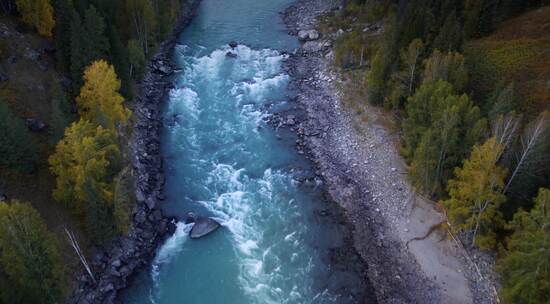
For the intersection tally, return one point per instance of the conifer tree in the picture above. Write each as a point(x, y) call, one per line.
point(17, 148)
point(61, 115)
point(29, 256)
point(88, 43)
point(449, 38)
point(64, 11)
point(475, 195)
point(525, 270)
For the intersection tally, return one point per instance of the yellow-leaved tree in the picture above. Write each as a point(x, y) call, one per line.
point(99, 100)
point(38, 14)
point(85, 163)
point(476, 194)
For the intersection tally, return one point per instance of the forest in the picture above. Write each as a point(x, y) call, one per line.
point(472, 114)
point(470, 101)
point(102, 47)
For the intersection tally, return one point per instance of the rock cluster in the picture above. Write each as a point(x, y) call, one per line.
point(114, 265)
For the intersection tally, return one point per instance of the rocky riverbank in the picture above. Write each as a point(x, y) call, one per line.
point(114, 266)
point(393, 228)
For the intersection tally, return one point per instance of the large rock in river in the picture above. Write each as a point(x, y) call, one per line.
point(203, 226)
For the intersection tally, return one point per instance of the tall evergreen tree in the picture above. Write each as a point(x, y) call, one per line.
point(17, 148)
point(64, 11)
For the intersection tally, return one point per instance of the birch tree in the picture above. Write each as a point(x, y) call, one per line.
point(531, 151)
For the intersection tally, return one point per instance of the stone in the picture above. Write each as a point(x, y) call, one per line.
point(230, 55)
point(308, 35)
point(43, 66)
point(12, 59)
point(233, 44)
point(203, 226)
point(190, 218)
point(31, 54)
point(35, 124)
point(312, 47)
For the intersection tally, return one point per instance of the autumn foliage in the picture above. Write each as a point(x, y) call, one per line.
point(38, 14)
point(99, 100)
point(87, 160)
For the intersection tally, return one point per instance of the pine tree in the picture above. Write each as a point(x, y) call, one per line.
point(525, 270)
point(29, 256)
point(64, 11)
point(121, 61)
point(17, 148)
point(88, 43)
point(61, 115)
point(449, 38)
point(78, 54)
point(144, 21)
point(38, 14)
point(475, 195)
point(99, 100)
point(136, 57)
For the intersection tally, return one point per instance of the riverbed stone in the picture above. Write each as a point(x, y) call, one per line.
point(203, 226)
point(308, 35)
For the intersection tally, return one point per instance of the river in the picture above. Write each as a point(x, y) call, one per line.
point(276, 244)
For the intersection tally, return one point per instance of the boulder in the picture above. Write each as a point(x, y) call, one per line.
point(35, 124)
point(3, 77)
point(203, 226)
point(233, 44)
point(190, 218)
point(308, 35)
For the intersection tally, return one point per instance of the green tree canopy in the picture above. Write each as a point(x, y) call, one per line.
point(30, 258)
point(17, 148)
point(525, 269)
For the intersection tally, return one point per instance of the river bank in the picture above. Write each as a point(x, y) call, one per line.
point(124, 256)
point(364, 173)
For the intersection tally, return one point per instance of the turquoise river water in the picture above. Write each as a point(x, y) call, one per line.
point(224, 161)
